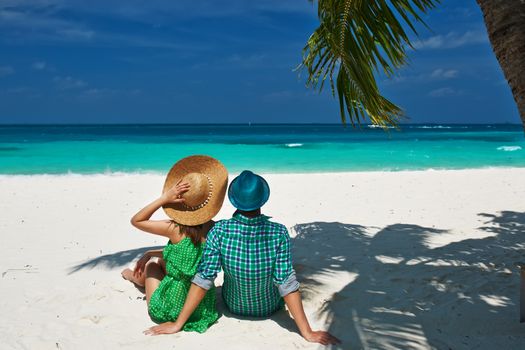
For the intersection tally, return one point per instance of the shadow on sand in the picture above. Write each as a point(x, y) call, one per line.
point(386, 289)
point(123, 258)
point(397, 293)
point(113, 260)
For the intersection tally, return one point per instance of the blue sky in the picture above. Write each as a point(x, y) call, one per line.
point(222, 62)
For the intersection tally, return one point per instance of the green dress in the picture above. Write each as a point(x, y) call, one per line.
point(166, 302)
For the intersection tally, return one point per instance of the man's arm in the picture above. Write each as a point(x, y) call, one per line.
point(283, 272)
point(195, 296)
point(284, 278)
point(295, 305)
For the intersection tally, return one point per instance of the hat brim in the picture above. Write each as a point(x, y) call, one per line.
point(218, 176)
point(249, 206)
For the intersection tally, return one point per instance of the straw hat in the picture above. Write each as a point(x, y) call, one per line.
point(208, 180)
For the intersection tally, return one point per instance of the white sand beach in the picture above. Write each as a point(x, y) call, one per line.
point(387, 260)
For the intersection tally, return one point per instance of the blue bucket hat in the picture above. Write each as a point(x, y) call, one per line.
point(248, 191)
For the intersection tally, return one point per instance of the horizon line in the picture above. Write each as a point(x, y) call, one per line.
point(244, 124)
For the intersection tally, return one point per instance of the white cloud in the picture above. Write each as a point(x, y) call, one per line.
point(277, 61)
point(39, 65)
point(6, 70)
point(452, 40)
point(68, 83)
point(98, 93)
point(444, 92)
point(101, 93)
point(21, 91)
point(19, 19)
point(76, 33)
point(28, 3)
point(441, 73)
point(461, 13)
point(44, 21)
point(436, 74)
point(165, 11)
point(36, 24)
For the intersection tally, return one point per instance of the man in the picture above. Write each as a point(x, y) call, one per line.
point(255, 256)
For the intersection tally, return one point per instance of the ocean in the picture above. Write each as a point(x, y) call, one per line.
point(264, 148)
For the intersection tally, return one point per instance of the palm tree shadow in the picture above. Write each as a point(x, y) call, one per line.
point(386, 289)
point(113, 260)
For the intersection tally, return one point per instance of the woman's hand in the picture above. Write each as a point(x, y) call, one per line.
point(141, 265)
point(321, 337)
point(142, 221)
point(173, 195)
point(164, 328)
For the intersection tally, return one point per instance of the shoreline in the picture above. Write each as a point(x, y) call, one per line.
point(263, 149)
point(343, 172)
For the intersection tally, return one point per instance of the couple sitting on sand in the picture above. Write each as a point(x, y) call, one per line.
point(253, 252)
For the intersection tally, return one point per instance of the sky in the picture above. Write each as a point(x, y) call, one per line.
point(229, 61)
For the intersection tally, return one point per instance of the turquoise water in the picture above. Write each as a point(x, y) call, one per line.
point(262, 148)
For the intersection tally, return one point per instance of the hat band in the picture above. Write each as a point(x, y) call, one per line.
point(203, 204)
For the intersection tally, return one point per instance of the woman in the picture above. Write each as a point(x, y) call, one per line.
point(193, 194)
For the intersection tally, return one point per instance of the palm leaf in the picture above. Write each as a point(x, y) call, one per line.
point(355, 40)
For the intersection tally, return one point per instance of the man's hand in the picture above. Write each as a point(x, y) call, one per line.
point(164, 328)
point(321, 337)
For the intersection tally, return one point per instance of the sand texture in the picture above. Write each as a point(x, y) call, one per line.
point(387, 260)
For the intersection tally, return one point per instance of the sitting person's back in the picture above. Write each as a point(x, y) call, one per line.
point(255, 256)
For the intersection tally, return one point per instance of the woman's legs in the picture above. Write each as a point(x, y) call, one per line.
point(154, 273)
point(140, 280)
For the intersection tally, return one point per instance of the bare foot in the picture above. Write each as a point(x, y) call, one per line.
point(127, 274)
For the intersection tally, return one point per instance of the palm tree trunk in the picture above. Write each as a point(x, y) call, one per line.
point(505, 21)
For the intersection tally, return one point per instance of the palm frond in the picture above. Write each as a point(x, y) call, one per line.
point(355, 40)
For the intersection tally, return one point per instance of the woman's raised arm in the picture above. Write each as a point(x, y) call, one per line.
point(142, 221)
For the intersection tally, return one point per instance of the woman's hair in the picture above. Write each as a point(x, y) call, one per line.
point(195, 233)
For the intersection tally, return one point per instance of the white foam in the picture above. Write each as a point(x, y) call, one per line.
point(291, 145)
point(433, 127)
point(509, 148)
point(373, 126)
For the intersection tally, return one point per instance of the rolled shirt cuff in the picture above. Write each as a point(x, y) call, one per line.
point(202, 282)
point(289, 286)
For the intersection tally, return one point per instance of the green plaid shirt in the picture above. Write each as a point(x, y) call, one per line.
point(255, 256)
